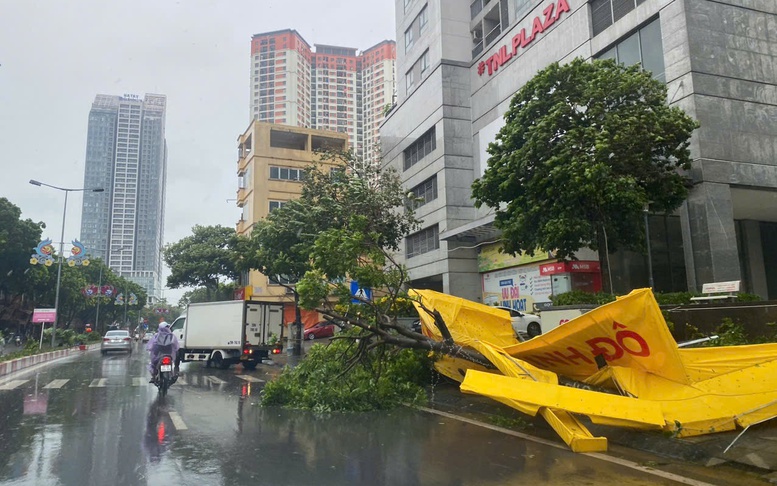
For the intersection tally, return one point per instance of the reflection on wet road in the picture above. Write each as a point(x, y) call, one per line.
point(96, 420)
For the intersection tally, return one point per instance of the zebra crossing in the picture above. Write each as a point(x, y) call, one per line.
point(136, 381)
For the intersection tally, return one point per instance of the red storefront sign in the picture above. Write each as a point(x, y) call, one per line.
point(540, 24)
point(570, 267)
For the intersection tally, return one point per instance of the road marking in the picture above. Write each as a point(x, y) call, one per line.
point(250, 378)
point(13, 384)
point(139, 381)
point(177, 421)
point(215, 381)
point(98, 383)
point(603, 457)
point(56, 384)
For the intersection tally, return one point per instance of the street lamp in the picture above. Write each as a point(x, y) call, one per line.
point(61, 245)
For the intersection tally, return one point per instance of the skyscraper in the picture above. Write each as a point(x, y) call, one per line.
point(126, 154)
point(329, 88)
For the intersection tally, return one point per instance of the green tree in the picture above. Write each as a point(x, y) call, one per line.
point(585, 148)
point(201, 294)
point(18, 239)
point(347, 225)
point(203, 259)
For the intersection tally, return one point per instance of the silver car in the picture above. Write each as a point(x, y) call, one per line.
point(117, 341)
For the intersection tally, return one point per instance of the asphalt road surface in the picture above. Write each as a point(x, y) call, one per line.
point(94, 420)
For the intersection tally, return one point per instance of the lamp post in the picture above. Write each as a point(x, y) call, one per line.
point(647, 240)
point(61, 245)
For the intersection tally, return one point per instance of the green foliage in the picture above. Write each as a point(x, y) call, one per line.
point(576, 297)
point(729, 334)
point(744, 297)
point(585, 146)
point(224, 291)
point(384, 378)
point(400, 307)
point(18, 239)
point(202, 259)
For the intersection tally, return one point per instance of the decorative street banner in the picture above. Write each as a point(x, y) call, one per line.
point(78, 255)
point(43, 253)
point(133, 299)
point(119, 299)
point(94, 291)
point(161, 310)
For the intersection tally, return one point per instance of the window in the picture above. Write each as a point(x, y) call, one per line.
point(422, 242)
point(424, 62)
point(409, 38)
point(407, 2)
point(426, 192)
point(423, 19)
point(276, 204)
point(606, 12)
point(644, 47)
point(409, 80)
point(287, 173)
point(419, 149)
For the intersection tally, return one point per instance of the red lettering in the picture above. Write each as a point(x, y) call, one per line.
point(549, 18)
point(563, 6)
point(514, 293)
point(622, 336)
point(536, 27)
point(506, 56)
point(517, 40)
point(505, 293)
point(609, 354)
point(563, 321)
point(524, 40)
point(574, 356)
point(617, 325)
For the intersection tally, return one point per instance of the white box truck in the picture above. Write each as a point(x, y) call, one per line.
point(231, 332)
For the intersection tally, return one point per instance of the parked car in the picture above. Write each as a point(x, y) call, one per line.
point(147, 336)
point(524, 324)
point(321, 330)
point(116, 341)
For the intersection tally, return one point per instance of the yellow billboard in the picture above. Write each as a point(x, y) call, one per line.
point(491, 257)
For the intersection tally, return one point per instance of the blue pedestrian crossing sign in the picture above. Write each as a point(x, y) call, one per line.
point(360, 294)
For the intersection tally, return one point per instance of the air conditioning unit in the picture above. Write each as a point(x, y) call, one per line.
point(477, 35)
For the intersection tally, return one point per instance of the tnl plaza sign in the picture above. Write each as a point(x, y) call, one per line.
point(540, 24)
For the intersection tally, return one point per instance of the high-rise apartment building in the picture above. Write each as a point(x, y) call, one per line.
point(326, 87)
point(126, 154)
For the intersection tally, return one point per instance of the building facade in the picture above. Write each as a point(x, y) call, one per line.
point(325, 87)
point(271, 166)
point(126, 153)
point(458, 70)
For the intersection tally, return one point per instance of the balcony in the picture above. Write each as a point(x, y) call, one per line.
point(242, 226)
point(242, 197)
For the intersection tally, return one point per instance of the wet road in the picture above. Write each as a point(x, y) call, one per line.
point(94, 420)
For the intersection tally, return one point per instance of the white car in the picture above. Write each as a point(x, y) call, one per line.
point(524, 324)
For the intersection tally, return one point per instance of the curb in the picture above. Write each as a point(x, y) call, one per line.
point(18, 364)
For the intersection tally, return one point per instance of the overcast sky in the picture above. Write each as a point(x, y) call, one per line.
point(56, 56)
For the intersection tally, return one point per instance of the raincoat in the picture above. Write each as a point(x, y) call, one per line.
point(163, 342)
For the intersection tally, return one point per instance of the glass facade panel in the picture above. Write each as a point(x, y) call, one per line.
point(628, 50)
point(652, 50)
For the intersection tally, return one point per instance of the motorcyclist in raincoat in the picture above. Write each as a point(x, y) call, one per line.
point(163, 342)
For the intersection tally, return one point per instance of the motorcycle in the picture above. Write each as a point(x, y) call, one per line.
point(165, 376)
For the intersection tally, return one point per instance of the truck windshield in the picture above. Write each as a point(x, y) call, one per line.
point(178, 324)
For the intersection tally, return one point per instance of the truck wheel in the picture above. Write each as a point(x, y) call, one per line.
point(218, 362)
point(533, 329)
point(249, 365)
